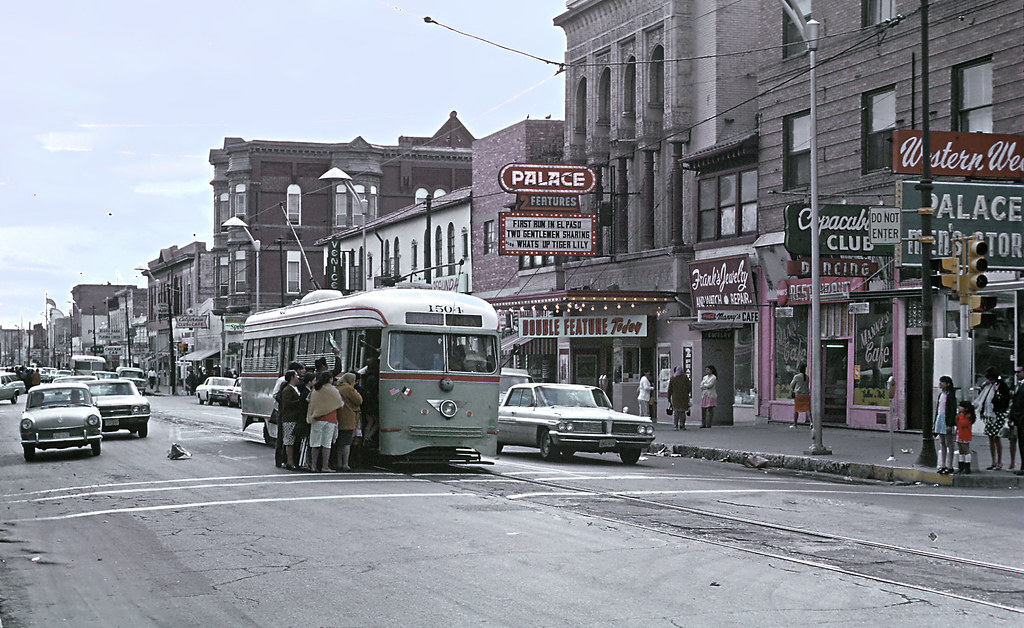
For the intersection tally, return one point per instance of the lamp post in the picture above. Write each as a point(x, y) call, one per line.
point(337, 174)
point(809, 32)
point(235, 221)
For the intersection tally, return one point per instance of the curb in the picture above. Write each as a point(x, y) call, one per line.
point(857, 470)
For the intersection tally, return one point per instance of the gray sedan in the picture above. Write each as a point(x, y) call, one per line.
point(58, 416)
point(561, 419)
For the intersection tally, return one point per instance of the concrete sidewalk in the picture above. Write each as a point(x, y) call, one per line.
point(857, 453)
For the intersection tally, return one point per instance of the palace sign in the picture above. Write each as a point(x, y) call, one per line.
point(547, 179)
point(960, 154)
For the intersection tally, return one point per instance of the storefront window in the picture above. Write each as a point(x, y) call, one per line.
point(790, 349)
point(743, 366)
point(627, 364)
point(872, 357)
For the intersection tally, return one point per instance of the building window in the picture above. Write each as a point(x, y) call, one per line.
point(797, 147)
point(488, 237)
point(657, 76)
point(240, 272)
point(535, 261)
point(439, 192)
point(438, 247)
point(369, 265)
point(465, 243)
point(879, 109)
point(240, 200)
point(581, 106)
point(294, 269)
point(396, 264)
point(451, 249)
point(415, 255)
point(878, 11)
point(727, 205)
point(604, 97)
point(385, 269)
point(223, 276)
point(342, 207)
point(371, 203)
point(972, 86)
point(223, 210)
point(421, 195)
point(793, 44)
point(629, 89)
point(294, 204)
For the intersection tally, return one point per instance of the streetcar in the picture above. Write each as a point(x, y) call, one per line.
point(438, 366)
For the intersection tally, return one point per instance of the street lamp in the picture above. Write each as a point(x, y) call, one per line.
point(337, 174)
point(809, 32)
point(235, 221)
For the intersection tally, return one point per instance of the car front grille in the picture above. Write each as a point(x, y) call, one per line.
point(75, 432)
point(446, 431)
point(623, 427)
point(116, 411)
point(588, 427)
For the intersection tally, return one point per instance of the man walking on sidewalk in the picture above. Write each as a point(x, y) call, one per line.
point(679, 390)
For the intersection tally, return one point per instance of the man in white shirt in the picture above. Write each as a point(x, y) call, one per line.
point(643, 397)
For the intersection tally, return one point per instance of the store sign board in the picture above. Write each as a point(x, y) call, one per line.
point(112, 350)
point(984, 155)
point(335, 276)
point(193, 321)
point(728, 316)
point(547, 178)
point(546, 233)
point(722, 283)
point(548, 202)
point(798, 291)
point(833, 267)
point(842, 229)
point(992, 210)
point(611, 326)
point(451, 283)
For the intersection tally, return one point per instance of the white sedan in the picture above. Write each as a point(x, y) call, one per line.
point(214, 389)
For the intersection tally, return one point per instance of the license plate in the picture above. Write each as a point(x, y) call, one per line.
point(606, 443)
point(111, 423)
point(61, 435)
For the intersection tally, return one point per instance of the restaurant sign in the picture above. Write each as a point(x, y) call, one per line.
point(799, 291)
point(193, 321)
point(991, 210)
point(611, 326)
point(986, 155)
point(842, 229)
point(722, 283)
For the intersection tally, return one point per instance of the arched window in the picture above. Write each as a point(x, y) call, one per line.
point(240, 205)
point(294, 204)
point(371, 203)
point(465, 243)
point(421, 195)
point(629, 89)
point(342, 207)
point(415, 254)
point(386, 268)
point(438, 247)
point(657, 82)
point(604, 97)
point(397, 263)
point(223, 210)
point(451, 249)
point(581, 106)
point(439, 192)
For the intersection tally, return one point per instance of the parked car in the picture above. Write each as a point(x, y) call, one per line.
point(73, 379)
point(46, 374)
point(510, 377)
point(561, 419)
point(234, 394)
point(62, 373)
point(214, 389)
point(135, 376)
point(105, 374)
point(10, 387)
point(121, 406)
point(59, 416)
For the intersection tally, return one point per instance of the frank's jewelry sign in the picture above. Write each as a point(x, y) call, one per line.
point(612, 326)
point(720, 283)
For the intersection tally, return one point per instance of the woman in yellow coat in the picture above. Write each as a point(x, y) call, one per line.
point(348, 418)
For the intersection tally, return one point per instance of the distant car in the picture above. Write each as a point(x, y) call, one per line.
point(121, 406)
point(234, 394)
point(105, 374)
point(510, 377)
point(59, 416)
point(561, 419)
point(46, 374)
point(72, 379)
point(10, 387)
point(62, 373)
point(214, 389)
point(135, 376)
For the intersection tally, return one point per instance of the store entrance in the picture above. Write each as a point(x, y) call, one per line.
point(834, 384)
point(912, 376)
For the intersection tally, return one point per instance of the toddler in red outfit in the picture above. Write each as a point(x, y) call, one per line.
point(964, 420)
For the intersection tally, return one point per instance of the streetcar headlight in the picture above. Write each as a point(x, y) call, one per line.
point(448, 408)
point(26, 424)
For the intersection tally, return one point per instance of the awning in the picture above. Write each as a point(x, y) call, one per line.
point(200, 355)
point(547, 346)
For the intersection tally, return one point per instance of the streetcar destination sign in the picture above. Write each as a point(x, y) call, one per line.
point(546, 233)
point(547, 178)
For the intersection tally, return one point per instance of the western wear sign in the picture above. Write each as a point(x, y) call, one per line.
point(986, 155)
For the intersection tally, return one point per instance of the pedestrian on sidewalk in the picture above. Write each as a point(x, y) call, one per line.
point(679, 391)
point(1017, 417)
point(945, 423)
point(964, 421)
point(643, 396)
point(708, 396)
point(994, 404)
point(801, 386)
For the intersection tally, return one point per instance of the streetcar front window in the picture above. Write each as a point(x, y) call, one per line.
point(469, 353)
point(412, 351)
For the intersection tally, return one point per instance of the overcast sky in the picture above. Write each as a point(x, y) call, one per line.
point(110, 110)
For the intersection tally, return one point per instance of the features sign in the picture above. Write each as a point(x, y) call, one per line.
point(991, 210)
point(614, 326)
point(193, 321)
point(842, 229)
point(798, 291)
point(547, 178)
point(546, 233)
point(548, 202)
point(722, 283)
point(960, 154)
point(885, 225)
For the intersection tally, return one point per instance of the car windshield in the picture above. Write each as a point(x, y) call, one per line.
point(58, 397)
point(220, 381)
point(572, 397)
point(112, 388)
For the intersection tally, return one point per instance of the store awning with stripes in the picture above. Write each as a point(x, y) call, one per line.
point(531, 346)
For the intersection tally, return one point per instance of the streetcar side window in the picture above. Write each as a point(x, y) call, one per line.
point(411, 351)
point(468, 353)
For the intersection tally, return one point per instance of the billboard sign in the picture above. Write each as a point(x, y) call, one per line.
point(546, 233)
point(722, 283)
point(842, 229)
point(991, 210)
point(193, 321)
point(608, 326)
point(985, 155)
point(547, 178)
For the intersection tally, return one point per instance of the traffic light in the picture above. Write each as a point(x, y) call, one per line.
point(948, 270)
point(976, 265)
point(981, 313)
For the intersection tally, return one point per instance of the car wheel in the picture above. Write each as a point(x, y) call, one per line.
point(224, 403)
point(143, 431)
point(30, 452)
point(267, 438)
point(14, 399)
point(96, 447)
point(200, 399)
point(630, 456)
point(497, 450)
point(548, 450)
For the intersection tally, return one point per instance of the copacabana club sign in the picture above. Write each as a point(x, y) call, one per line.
point(960, 154)
point(991, 210)
point(724, 282)
point(842, 229)
point(612, 326)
